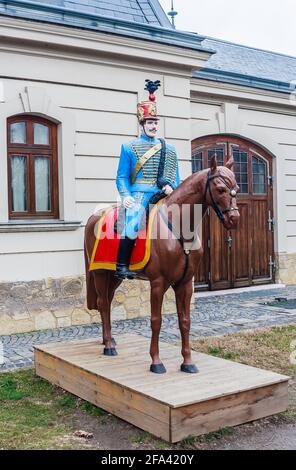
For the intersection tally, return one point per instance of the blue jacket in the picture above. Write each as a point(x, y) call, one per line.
point(147, 176)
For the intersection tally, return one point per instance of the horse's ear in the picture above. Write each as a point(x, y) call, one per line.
point(230, 163)
point(213, 163)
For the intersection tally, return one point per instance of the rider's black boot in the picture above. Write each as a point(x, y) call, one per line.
point(123, 258)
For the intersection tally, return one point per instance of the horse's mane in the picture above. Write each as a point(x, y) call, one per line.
point(196, 183)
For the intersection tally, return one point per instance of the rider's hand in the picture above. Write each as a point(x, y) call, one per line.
point(167, 189)
point(128, 202)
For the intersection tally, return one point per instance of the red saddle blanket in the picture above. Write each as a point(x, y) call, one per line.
point(105, 250)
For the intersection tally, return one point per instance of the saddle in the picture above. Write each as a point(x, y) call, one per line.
point(104, 255)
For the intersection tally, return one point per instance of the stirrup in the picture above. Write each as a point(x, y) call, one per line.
point(122, 272)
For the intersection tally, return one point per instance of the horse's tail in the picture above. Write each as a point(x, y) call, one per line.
point(91, 294)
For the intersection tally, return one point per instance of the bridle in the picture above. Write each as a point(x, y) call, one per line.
point(232, 193)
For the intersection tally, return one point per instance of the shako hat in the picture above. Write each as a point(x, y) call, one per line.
point(148, 109)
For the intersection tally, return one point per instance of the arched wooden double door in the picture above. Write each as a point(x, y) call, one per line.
point(244, 256)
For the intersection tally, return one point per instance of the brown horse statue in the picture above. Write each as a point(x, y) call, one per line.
point(169, 264)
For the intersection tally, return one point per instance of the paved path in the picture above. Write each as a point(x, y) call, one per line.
point(215, 315)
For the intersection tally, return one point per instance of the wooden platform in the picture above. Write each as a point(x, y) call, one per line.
point(171, 406)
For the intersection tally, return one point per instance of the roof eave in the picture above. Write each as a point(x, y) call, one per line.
point(245, 80)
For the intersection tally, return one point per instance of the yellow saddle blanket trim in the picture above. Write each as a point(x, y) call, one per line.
point(112, 266)
point(150, 153)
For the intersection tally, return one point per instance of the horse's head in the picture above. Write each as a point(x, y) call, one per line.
point(221, 191)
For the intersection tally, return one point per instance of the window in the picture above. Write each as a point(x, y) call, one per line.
point(32, 168)
point(252, 164)
point(259, 172)
point(241, 170)
point(197, 162)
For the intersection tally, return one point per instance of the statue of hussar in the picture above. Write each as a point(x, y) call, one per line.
point(147, 166)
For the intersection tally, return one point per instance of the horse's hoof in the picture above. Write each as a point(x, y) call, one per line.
point(110, 352)
point(189, 368)
point(158, 368)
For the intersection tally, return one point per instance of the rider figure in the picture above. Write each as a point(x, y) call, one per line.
point(147, 166)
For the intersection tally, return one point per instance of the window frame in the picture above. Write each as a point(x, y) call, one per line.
point(260, 160)
point(231, 144)
point(31, 150)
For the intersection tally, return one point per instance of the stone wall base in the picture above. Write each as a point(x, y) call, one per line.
point(55, 303)
point(286, 268)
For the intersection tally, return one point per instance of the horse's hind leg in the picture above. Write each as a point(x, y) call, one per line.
point(105, 288)
point(183, 295)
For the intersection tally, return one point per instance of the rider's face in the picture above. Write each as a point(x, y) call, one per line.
point(150, 127)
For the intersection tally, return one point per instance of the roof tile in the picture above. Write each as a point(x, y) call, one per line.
point(249, 61)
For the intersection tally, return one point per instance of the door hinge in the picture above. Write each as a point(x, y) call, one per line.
point(209, 275)
point(229, 241)
point(270, 222)
point(272, 265)
point(209, 243)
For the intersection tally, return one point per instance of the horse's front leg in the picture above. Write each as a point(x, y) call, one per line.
point(156, 300)
point(183, 295)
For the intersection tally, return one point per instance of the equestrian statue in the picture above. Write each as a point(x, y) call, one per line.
point(148, 178)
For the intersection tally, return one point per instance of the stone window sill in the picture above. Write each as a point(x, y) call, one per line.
point(39, 226)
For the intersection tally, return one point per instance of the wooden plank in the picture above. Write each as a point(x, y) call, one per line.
point(232, 410)
point(171, 406)
point(148, 384)
point(133, 407)
point(87, 383)
point(217, 376)
point(56, 368)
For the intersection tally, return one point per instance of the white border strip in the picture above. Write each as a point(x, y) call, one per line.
point(239, 290)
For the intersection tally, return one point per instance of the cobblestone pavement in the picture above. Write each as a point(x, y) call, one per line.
point(215, 315)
